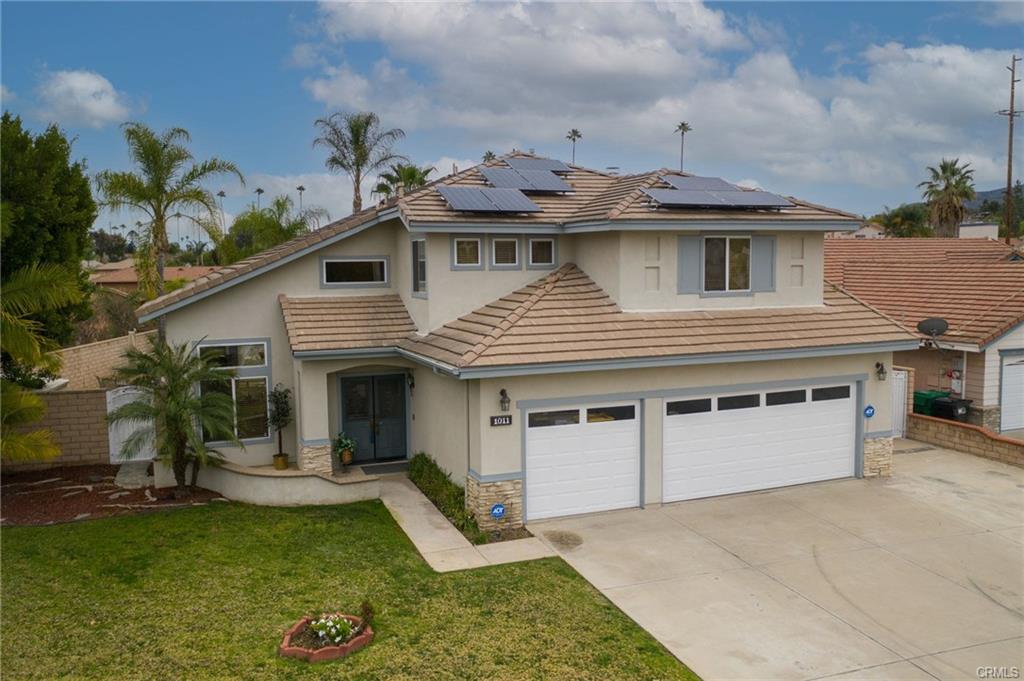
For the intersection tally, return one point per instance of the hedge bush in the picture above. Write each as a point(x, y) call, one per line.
point(449, 498)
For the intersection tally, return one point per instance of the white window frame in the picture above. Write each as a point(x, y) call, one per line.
point(506, 266)
point(479, 253)
point(541, 265)
point(385, 283)
point(704, 262)
point(235, 344)
point(234, 406)
point(243, 372)
point(417, 292)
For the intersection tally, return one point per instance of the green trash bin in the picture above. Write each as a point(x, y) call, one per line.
point(923, 400)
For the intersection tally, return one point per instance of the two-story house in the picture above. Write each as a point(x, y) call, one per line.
point(561, 340)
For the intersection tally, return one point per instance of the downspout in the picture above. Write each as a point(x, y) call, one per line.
point(963, 378)
point(467, 429)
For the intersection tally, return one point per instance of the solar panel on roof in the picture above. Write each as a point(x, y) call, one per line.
point(752, 199)
point(538, 164)
point(504, 178)
point(544, 181)
point(681, 199)
point(699, 183)
point(487, 200)
point(525, 180)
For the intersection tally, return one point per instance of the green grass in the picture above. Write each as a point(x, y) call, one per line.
point(207, 592)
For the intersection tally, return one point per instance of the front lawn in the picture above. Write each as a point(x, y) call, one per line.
point(207, 592)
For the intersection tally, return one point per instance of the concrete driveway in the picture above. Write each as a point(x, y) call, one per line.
point(919, 576)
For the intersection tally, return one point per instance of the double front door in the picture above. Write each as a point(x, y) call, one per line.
point(373, 414)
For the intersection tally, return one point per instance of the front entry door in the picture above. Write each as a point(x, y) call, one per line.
point(373, 414)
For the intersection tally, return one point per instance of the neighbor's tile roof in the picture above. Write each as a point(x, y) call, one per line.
point(895, 252)
point(566, 317)
point(980, 300)
point(129, 275)
point(345, 322)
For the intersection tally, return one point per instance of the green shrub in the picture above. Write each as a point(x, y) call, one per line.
point(449, 498)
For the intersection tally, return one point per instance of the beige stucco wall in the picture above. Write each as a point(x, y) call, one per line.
point(930, 367)
point(501, 447)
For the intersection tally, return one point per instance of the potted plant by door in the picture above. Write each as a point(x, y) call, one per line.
point(280, 417)
point(344, 449)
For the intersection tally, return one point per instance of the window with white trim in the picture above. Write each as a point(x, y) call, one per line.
point(248, 389)
point(542, 252)
point(467, 252)
point(726, 263)
point(354, 271)
point(505, 252)
point(419, 266)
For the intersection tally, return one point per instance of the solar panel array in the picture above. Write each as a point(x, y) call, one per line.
point(712, 192)
point(525, 180)
point(487, 200)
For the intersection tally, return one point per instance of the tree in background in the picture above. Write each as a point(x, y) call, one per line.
point(257, 230)
point(489, 156)
point(906, 220)
point(574, 136)
point(950, 186)
point(110, 246)
point(682, 129)
point(407, 175)
point(46, 211)
point(357, 146)
point(171, 414)
point(167, 181)
point(996, 211)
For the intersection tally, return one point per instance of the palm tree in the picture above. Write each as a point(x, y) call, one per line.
point(170, 413)
point(257, 230)
point(357, 146)
point(949, 186)
point(27, 292)
point(489, 156)
point(682, 129)
point(574, 135)
point(167, 181)
point(407, 175)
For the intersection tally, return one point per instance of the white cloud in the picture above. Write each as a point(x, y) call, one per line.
point(444, 166)
point(330, 192)
point(999, 13)
point(81, 97)
point(6, 95)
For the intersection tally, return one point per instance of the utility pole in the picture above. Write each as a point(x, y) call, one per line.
point(1010, 114)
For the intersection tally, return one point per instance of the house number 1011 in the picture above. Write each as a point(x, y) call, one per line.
point(503, 420)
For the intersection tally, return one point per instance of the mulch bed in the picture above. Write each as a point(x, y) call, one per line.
point(60, 495)
point(508, 534)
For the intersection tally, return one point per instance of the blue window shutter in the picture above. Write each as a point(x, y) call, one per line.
point(688, 264)
point(762, 263)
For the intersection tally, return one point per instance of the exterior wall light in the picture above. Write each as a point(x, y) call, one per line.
point(410, 381)
point(504, 400)
point(880, 371)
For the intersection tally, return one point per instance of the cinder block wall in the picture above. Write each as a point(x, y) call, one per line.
point(78, 421)
point(85, 364)
point(965, 437)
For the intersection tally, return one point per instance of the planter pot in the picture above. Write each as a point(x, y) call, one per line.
point(346, 457)
point(281, 462)
point(361, 640)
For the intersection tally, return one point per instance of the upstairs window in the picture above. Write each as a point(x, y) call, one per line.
point(354, 272)
point(419, 266)
point(467, 253)
point(726, 263)
point(542, 252)
point(505, 253)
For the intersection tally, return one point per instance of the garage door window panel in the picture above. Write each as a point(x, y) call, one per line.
point(785, 397)
point(606, 414)
point(739, 402)
point(680, 407)
point(839, 392)
point(545, 419)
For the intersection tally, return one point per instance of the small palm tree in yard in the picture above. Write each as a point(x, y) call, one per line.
point(357, 146)
point(946, 190)
point(173, 412)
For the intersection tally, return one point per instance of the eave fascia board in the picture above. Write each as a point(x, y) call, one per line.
point(349, 353)
point(714, 225)
point(683, 360)
point(484, 228)
point(206, 293)
point(1004, 333)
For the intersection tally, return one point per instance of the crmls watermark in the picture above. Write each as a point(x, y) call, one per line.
point(998, 672)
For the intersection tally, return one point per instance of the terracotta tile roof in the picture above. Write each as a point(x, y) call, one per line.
point(345, 322)
point(894, 252)
point(129, 275)
point(980, 300)
point(566, 317)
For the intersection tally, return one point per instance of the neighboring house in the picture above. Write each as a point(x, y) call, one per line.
point(595, 342)
point(869, 230)
point(977, 286)
point(979, 230)
point(125, 280)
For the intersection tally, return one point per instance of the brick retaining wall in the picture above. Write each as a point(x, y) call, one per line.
point(78, 421)
point(85, 365)
point(965, 437)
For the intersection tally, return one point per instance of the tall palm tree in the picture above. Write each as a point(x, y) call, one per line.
point(406, 174)
point(170, 413)
point(167, 180)
point(26, 292)
point(256, 230)
point(574, 135)
point(489, 156)
point(949, 186)
point(357, 145)
point(682, 129)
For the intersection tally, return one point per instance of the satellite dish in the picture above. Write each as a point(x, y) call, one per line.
point(933, 326)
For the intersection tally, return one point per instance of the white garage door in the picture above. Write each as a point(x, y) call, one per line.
point(582, 459)
point(1012, 397)
point(721, 444)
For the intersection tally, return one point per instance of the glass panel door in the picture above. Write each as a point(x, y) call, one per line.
point(373, 414)
point(357, 415)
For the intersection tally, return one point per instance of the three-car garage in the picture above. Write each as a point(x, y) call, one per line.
point(583, 458)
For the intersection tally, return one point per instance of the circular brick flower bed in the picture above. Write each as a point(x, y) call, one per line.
point(296, 643)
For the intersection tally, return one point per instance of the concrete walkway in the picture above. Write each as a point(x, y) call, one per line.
point(443, 547)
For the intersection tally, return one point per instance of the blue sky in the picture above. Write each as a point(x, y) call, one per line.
point(840, 103)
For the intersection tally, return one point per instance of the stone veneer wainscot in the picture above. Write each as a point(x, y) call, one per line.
point(316, 459)
point(481, 496)
point(877, 457)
